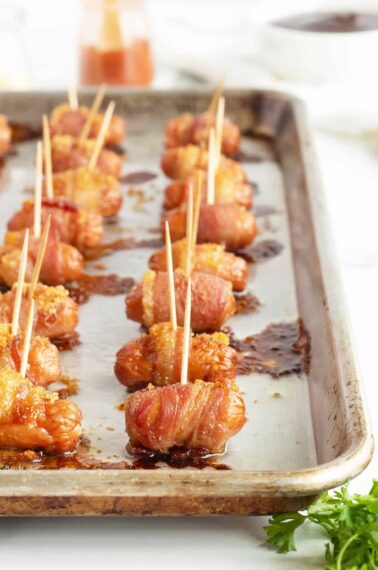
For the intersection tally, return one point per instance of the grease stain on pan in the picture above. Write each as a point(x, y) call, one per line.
point(280, 349)
point(261, 251)
point(108, 285)
point(84, 458)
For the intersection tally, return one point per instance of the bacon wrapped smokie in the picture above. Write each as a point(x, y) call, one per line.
point(5, 135)
point(156, 358)
point(227, 191)
point(67, 121)
point(228, 224)
point(179, 163)
point(208, 258)
point(33, 418)
point(69, 223)
point(190, 129)
point(90, 190)
point(43, 361)
point(202, 415)
point(212, 300)
point(68, 153)
point(55, 315)
point(62, 262)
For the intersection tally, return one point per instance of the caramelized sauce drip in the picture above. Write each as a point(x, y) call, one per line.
point(82, 458)
point(178, 457)
point(22, 132)
point(139, 177)
point(139, 197)
point(261, 251)
point(67, 342)
point(280, 349)
point(71, 387)
point(117, 149)
point(108, 285)
point(246, 303)
point(121, 244)
point(242, 156)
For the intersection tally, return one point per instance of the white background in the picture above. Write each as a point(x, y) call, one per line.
point(349, 166)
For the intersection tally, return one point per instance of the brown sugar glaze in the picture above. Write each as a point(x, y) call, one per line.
point(280, 349)
point(121, 244)
point(84, 458)
point(108, 285)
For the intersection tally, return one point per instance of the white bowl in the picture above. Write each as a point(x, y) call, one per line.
point(317, 57)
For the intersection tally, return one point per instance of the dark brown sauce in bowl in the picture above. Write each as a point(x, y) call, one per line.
point(331, 22)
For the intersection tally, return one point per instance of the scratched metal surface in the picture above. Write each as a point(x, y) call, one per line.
point(279, 434)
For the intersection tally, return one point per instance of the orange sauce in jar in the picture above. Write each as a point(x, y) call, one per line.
point(129, 65)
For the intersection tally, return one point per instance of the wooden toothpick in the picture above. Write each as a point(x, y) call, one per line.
point(72, 96)
point(187, 335)
point(20, 284)
point(28, 334)
point(211, 169)
point(97, 101)
point(189, 230)
point(217, 93)
point(40, 257)
point(38, 192)
point(101, 135)
point(171, 278)
point(197, 206)
point(219, 123)
point(47, 157)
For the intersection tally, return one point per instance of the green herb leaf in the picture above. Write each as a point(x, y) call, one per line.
point(350, 522)
point(281, 531)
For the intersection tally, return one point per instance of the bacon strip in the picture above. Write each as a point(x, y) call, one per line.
point(189, 129)
point(90, 190)
point(62, 262)
point(65, 121)
point(43, 362)
point(156, 358)
point(227, 191)
point(5, 135)
point(69, 224)
point(56, 314)
point(180, 162)
point(68, 153)
point(33, 418)
point(212, 300)
point(210, 258)
point(203, 415)
point(228, 224)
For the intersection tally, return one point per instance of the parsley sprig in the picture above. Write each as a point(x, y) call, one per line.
point(350, 521)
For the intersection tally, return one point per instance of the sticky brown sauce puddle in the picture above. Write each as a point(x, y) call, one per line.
point(139, 177)
point(108, 285)
point(67, 342)
point(246, 303)
point(83, 458)
point(23, 132)
point(120, 245)
point(261, 251)
point(280, 349)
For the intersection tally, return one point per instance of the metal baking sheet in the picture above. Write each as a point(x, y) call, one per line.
point(306, 432)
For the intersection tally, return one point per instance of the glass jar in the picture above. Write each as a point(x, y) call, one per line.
point(14, 68)
point(114, 44)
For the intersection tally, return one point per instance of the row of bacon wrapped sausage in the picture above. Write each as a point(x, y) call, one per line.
point(201, 411)
point(43, 250)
